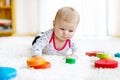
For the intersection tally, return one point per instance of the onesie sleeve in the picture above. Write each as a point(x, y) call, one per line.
point(41, 43)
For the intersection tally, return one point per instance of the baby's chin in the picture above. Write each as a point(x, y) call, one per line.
point(67, 38)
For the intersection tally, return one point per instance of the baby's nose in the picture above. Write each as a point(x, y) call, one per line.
point(65, 32)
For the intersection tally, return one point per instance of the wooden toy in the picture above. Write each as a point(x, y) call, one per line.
point(38, 63)
point(102, 55)
point(108, 58)
point(35, 61)
point(117, 55)
point(106, 64)
point(43, 66)
point(7, 73)
point(93, 53)
point(70, 60)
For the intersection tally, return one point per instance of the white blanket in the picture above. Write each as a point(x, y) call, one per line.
point(14, 51)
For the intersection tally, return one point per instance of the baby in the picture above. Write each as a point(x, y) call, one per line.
point(59, 39)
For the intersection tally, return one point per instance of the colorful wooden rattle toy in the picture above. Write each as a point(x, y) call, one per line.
point(38, 63)
point(93, 53)
point(70, 60)
point(7, 73)
point(106, 64)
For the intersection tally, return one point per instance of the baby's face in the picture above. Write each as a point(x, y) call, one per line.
point(64, 30)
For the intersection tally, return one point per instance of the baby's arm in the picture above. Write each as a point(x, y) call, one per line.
point(40, 44)
point(75, 49)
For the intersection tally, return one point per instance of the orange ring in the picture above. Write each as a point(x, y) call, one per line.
point(35, 61)
point(44, 66)
point(93, 53)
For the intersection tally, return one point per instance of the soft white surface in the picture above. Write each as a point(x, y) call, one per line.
point(14, 51)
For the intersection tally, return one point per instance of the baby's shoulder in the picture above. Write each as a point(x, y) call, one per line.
point(48, 32)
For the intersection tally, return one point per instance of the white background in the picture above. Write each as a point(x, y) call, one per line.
point(97, 17)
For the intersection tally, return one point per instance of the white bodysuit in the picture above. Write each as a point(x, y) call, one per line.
point(46, 45)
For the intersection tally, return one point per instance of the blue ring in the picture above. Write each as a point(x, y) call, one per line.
point(7, 73)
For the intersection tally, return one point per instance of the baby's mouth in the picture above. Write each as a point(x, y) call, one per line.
point(65, 37)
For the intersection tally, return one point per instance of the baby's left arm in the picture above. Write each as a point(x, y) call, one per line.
point(75, 49)
point(72, 56)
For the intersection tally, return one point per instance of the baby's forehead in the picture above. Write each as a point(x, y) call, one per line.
point(66, 25)
point(64, 22)
point(73, 21)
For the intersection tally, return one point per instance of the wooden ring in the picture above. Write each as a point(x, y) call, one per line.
point(106, 64)
point(35, 61)
point(44, 66)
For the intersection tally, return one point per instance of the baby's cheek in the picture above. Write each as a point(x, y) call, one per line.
point(71, 36)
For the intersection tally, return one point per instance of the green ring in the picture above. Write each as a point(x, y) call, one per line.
point(70, 60)
point(102, 55)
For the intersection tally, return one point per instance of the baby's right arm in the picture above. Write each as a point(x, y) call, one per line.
point(41, 43)
point(38, 46)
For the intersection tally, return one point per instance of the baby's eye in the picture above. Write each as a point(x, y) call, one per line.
point(70, 30)
point(62, 29)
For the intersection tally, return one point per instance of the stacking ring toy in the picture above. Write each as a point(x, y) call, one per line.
point(70, 60)
point(106, 64)
point(7, 73)
point(44, 66)
point(93, 53)
point(35, 61)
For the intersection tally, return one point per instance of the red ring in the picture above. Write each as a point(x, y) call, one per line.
point(44, 66)
point(106, 64)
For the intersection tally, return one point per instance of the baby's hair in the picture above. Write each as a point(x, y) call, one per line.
point(68, 14)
